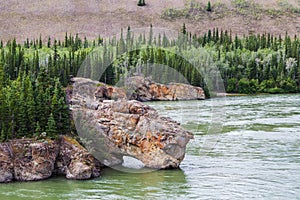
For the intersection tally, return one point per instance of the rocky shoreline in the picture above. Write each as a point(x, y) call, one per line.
point(112, 124)
point(32, 159)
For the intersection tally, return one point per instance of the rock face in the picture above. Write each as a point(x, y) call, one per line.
point(144, 89)
point(141, 89)
point(6, 164)
point(75, 162)
point(33, 160)
point(116, 128)
point(29, 160)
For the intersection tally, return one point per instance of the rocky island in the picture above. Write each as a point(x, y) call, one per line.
point(111, 123)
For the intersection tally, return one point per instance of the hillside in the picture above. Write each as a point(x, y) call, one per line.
point(30, 18)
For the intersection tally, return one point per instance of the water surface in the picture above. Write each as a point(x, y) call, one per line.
point(255, 154)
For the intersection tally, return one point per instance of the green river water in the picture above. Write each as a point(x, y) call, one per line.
point(256, 155)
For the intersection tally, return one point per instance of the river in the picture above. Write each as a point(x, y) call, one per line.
point(251, 151)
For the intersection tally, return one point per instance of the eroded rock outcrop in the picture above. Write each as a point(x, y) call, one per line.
point(6, 163)
point(141, 89)
point(116, 128)
point(30, 159)
point(33, 160)
point(144, 89)
point(75, 162)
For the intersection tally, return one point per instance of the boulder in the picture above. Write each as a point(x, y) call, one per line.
point(126, 128)
point(31, 159)
point(75, 162)
point(6, 163)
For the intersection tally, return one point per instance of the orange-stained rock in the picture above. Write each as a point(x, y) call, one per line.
point(127, 127)
point(144, 89)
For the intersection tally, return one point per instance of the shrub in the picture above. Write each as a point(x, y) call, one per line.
point(254, 86)
point(244, 86)
point(275, 90)
point(289, 85)
point(232, 85)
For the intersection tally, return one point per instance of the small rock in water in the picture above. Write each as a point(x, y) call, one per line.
point(132, 163)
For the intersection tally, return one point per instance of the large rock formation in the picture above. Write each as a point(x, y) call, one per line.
point(144, 89)
point(141, 89)
point(116, 128)
point(30, 159)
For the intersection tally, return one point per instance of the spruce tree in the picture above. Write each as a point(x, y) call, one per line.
point(85, 44)
point(208, 8)
point(40, 42)
point(141, 3)
point(30, 105)
point(51, 128)
point(38, 129)
point(183, 29)
point(2, 76)
point(22, 114)
point(49, 42)
point(66, 40)
point(150, 35)
point(2, 135)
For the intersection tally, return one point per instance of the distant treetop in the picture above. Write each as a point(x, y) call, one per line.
point(141, 3)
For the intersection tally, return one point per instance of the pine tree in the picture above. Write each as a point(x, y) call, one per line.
point(2, 76)
point(30, 104)
point(2, 102)
point(2, 135)
point(85, 44)
point(38, 129)
point(150, 35)
point(183, 29)
point(51, 128)
point(49, 42)
point(66, 40)
point(40, 42)
point(22, 113)
point(208, 8)
point(141, 3)
point(54, 105)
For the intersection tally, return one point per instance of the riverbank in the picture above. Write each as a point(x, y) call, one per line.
point(224, 94)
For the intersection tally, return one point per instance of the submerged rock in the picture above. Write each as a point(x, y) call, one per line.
point(113, 129)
